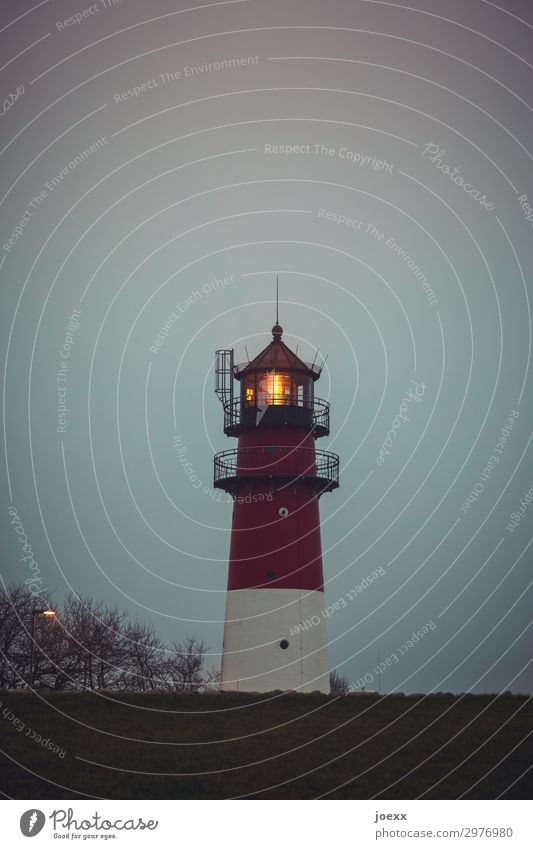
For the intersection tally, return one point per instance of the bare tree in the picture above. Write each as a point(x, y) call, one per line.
point(97, 647)
point(338, 684)
point(183, 667)
point(144, 656)
point(89, 645)
point(16, 606)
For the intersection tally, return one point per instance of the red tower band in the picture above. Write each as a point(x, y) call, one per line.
point(275, 476)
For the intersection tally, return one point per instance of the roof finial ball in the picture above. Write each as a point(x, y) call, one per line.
point(277, 331)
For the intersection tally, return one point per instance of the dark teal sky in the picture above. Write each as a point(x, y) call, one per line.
point(202, 187)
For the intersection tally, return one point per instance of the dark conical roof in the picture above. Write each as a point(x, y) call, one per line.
point(277, 355)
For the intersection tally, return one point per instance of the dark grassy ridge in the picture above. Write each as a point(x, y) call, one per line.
point(248, 743)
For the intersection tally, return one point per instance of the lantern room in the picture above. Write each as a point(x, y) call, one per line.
point(276, 388)
point(277, 377)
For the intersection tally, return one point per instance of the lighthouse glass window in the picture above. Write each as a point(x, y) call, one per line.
point(274, 388)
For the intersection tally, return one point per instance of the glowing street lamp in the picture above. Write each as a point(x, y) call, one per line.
point(48, 614)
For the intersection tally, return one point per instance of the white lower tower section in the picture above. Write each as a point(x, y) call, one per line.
point(259, 624)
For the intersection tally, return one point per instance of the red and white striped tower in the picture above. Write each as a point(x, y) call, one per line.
point(274, 633)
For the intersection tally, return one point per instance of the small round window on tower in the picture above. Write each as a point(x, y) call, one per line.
point(284, 644)
point(283, 511)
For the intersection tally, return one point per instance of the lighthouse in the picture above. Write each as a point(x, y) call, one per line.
point(274, 631)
